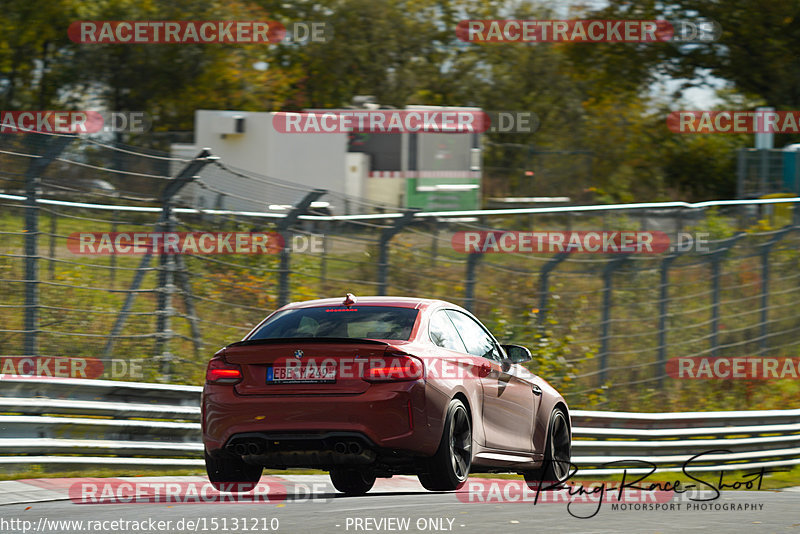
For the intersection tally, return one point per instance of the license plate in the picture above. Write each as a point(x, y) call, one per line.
point(301, 375)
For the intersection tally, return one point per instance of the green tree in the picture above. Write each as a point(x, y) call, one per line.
point(33, 48)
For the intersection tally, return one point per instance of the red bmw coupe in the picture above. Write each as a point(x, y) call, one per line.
point(376, 386)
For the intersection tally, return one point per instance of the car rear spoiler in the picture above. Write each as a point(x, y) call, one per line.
point(283, 340)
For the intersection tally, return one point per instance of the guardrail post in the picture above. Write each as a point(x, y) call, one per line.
point(53, 146)
point(187, 174)
point(301, 208)
point(469, 285)
point(383, 248)
point(608, 278)
point(544, 286)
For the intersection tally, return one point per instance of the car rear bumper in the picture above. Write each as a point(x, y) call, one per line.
point(391, 415)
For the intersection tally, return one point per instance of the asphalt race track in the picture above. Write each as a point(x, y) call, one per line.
point(309, 505)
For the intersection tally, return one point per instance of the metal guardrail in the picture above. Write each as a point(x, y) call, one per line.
point(80, 424)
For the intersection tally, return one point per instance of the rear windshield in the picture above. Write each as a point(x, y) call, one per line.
point(366, 322)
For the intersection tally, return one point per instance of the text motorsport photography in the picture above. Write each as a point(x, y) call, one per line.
point(634, 492)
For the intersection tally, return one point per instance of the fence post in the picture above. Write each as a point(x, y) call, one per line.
point(283, 269)
point(383, 248)
point(187, 174)
point(741, 170)
point(185, 285)
point(715, 264)
point(323, 261)
point(763, 171)
point(663, 307)
point(53, 146)
point(435, 241)
point(544, 286)
point(766, 248)
point(608, 278)
point(283, 228)
point(469, 285)
point(166, 283)
point(796, 189)
point(53, 231)
point(113, 258)
point(166, 289)
point(715, 257)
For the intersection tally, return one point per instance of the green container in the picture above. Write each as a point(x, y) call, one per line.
point(433, 194)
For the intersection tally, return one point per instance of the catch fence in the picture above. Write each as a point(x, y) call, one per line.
point(602, 327)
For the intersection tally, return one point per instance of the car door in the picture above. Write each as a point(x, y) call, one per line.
point(453, 361)
point(508, 397)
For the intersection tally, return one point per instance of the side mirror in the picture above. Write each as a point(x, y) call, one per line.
point(517, 353)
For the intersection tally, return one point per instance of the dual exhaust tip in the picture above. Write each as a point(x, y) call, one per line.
point(251, 447)
point(352, 447)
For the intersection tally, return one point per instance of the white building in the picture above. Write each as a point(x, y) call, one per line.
point(282, 167)
point(425, 170)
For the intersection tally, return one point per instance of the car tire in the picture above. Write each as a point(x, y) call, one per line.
point(228, 472)
point(448, 469)
point(352, 480)
point(557, 455)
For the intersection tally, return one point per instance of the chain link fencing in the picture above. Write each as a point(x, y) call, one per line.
point(601, 327)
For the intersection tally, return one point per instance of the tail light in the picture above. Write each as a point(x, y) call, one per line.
point(395, 366)
point(221, 372)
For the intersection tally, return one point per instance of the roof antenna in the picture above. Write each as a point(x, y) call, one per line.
point(349, 299)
